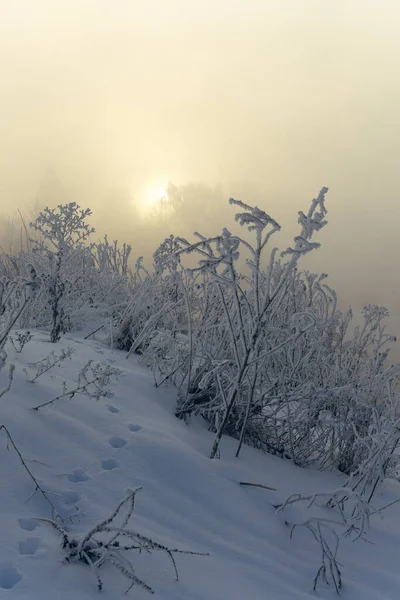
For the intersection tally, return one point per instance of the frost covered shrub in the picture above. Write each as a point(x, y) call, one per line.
point(83, 284)
point(329, 516)
point(262, 352)
point(15, 297)
point(19, 340)
point(111, 258)
point(256, 346)
point(148, 311)
point(111, 277)
point(47, 363)
point(225, 314)
point(63, 231)
point(113, 543)
point(94, 380)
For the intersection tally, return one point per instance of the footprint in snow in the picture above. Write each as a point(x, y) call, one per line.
point(9, 576)
point(28, 524)
point(112, 409)
point(134, 427)
point(29, 546)
point(117, 442)
point(77, 476)
point(109, 464)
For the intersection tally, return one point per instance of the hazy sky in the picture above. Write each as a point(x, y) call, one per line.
point(270, 99)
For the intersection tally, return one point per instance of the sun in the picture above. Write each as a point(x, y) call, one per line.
point(162, 193)
point(152, 196)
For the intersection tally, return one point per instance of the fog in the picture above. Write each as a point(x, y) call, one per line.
point(105, 102)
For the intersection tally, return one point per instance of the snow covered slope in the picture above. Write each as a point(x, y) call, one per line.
point(88, 452)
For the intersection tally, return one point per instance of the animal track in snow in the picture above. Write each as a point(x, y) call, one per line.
point(109, 464)
point(77, 476)
point(134, 427)
point(112, 409)
point(9, 577)
point(28, 524)
point(29, 545)
point(117, 442)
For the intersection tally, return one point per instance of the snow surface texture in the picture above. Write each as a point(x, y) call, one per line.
point(88, 452)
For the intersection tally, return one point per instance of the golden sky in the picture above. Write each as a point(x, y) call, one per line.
point(270, 99)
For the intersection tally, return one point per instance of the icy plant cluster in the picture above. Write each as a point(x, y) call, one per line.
point(110, 542)
point(94, 380)
point(82, 283)
point(340, 512)
point(259, 348)
point(47, 363)
point(254, 344)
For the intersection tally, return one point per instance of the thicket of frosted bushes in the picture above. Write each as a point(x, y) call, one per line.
point(254, 345)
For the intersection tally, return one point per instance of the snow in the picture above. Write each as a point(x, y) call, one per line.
point(89, 452)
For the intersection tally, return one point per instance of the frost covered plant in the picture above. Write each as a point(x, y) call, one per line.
point(112, 542)
point(112, 258)
point(255, 346)
point(49, 362)
point(20, 339)
point(63, 232)
point(152, 304)
point(84, 284)
point(329, 516)
point(260, 350)
point(375, 446)
point(246, 307)
point(94, 380)
point(15, 295)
